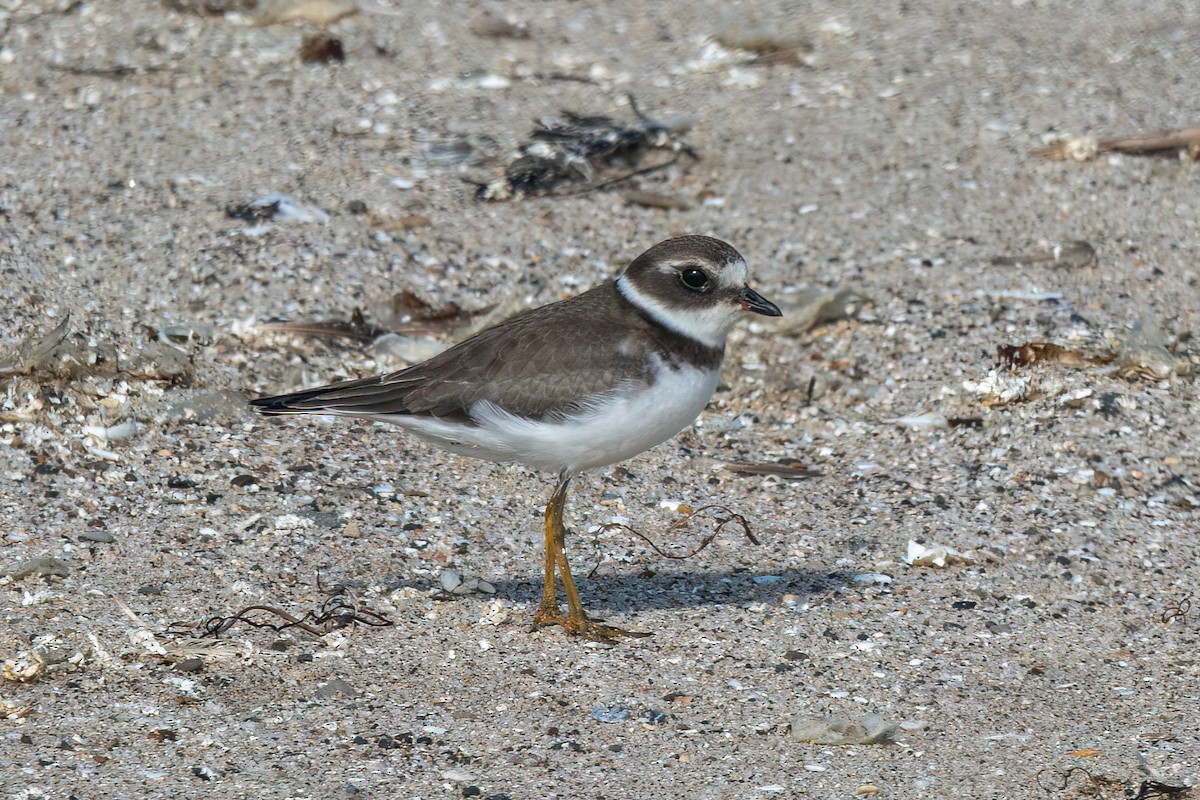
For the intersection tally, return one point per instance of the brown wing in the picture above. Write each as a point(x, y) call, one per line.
point(537, 363)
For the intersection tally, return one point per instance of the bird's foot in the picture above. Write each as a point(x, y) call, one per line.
point(548, 614)
point(583, 625)
point(599, 632)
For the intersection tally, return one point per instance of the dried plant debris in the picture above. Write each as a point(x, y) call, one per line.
point(821, 307)
point(1075, 254)
point(278, 208)
point(356, 328)
point(321, 48)
point(574, 154)
point(1094, 784)
point(1182, 141)
point(1097, 786)
point(871, 729)
point(1179, 609)
point(1151, 789)
point(36, 351)
point(408, 315)
point(398, 226)
point(1030, 353)
point(27, 667)
point(723, 514)
point(667, 202)
point(334, 614)
point(211, 6)
point(786, 468)
point(71, 355)
point(1142, 354)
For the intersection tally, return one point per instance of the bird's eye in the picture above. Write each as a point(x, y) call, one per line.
point(694, 279)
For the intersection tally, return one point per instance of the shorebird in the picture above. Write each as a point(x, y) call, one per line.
point(582, 383)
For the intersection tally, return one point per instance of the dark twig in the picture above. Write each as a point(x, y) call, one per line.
point(356, 328)
point(334, 614)
point(1147, 790)
point(1151, 789)
point(732, 517)
point(596, 187)
point(1180, 609)
point(1095, 783)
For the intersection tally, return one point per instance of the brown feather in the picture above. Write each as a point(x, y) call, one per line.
point(517, 366)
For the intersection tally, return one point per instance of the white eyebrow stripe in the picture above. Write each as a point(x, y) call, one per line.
point(732, 275)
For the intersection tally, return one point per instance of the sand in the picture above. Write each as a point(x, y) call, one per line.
point(884, 149)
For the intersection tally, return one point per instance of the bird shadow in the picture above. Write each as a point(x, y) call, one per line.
point(621, 594)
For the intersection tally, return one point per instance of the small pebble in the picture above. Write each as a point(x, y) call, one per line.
point(42, 565)
point(334, 688)
point(459, 775)
point(611, 713)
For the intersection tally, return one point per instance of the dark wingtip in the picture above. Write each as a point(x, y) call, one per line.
point(280, 404)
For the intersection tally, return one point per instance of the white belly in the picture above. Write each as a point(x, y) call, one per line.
point(617, 426)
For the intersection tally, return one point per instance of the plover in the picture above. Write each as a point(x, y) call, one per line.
point(578, 384)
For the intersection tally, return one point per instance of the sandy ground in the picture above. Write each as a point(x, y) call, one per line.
point(889, 152)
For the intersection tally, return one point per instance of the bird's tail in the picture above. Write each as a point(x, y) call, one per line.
point(348, 397)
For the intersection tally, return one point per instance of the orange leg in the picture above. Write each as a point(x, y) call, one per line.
point(576, 620)
point(548, 612)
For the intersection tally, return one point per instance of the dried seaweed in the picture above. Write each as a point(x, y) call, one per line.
point(729, 517)
point(1152, 789)
point(1179, 609)
point(334, 614)
point(585, 153)
point(321, 48)
point(1096, 785)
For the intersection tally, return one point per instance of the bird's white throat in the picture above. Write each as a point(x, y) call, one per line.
point(709, 326)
